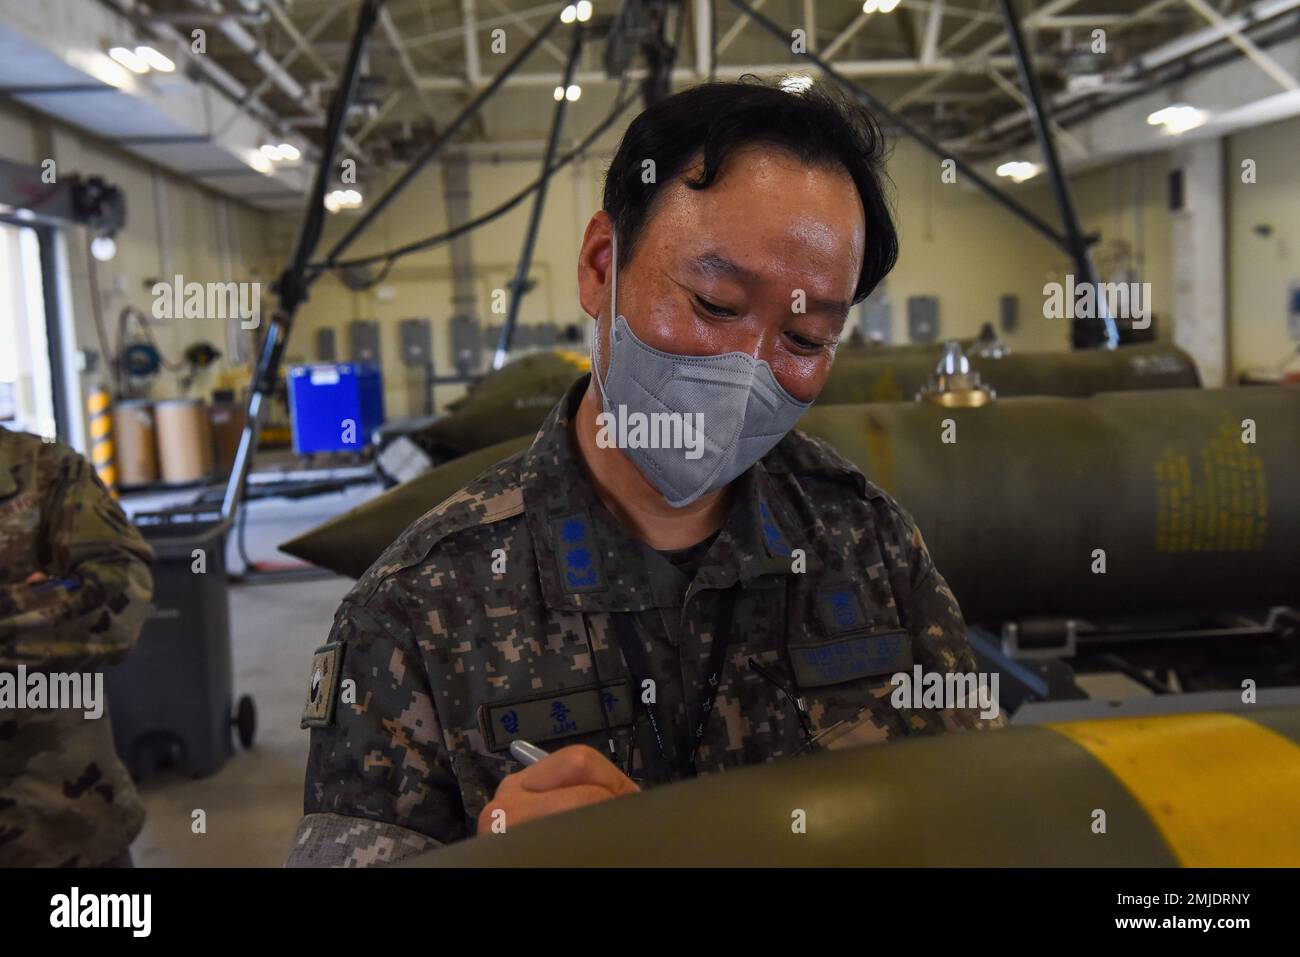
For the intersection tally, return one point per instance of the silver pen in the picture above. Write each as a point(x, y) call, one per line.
point(525, 753)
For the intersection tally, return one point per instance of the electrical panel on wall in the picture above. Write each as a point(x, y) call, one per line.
point(1008, 313)
point(325, 347)
point(466, 344)
point(1293, 311)
point(417, 342)
point(363, 336)
point(876, 314)
point(922, 318)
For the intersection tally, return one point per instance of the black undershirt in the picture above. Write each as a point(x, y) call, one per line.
point(688, 560)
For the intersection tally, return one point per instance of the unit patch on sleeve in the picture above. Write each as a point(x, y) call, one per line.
point(323, 686)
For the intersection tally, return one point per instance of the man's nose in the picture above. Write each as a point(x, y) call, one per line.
point(758, 344)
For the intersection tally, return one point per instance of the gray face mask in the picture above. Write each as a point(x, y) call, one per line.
point(691, 424)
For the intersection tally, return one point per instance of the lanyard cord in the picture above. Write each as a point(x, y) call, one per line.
point(717, 662)
point(600, 689)
point(635, 658)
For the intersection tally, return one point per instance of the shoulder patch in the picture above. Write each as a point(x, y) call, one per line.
point(323, 686)
point(496, 495)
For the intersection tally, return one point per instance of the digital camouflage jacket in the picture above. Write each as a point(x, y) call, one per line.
point(479, 624)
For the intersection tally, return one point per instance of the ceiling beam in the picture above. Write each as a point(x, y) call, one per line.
point(734, 30)
point(852, 68)
point(1246, 45)
point(521, 21)
point(404, 58)
point(302, 43)
point(933, 26)
point(986, 49)
point(845, 35)
point(545, 9)
point(703, 37)
point(469, 31)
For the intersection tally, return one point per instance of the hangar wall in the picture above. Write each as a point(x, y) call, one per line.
point(173, 226)
point(946, 251)
point(1262, 264)
point(945, 231)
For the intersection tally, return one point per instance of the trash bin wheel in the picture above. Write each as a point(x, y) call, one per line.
point(245, 721)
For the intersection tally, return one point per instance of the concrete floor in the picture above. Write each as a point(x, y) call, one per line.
point(253, 803)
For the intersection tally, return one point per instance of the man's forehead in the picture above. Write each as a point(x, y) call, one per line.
point(713, 262)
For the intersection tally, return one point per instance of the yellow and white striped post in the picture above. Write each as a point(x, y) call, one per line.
point(100, 407)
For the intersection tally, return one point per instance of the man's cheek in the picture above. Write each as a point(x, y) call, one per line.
point(803, 380)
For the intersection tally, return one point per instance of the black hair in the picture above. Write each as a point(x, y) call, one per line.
point(712, 120)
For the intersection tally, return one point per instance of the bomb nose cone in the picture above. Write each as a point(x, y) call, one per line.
point(953, 361)
point(954, 383)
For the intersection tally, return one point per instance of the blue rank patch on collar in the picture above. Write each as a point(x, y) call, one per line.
point(576, 557)
point(840, 609)
point(777, 546)
point(848, 659)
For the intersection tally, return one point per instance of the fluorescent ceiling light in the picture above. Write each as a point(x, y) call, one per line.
point(154, 59)
point(128, 59)
point(1018, 170)
point(108, 71)
point(1178, 118)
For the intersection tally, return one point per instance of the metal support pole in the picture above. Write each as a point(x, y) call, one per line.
point(1084, 333)
point(518, 284)
point(294, 282)
point(291, 289)
point(440, 141)
point(913, 131)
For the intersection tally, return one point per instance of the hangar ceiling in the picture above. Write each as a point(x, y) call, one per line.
point(943, 64)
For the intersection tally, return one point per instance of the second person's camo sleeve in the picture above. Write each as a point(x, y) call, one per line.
point(379, 784)
point(89, 609)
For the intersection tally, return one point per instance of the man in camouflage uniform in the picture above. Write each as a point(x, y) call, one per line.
point(75, 587)
point(540, 604)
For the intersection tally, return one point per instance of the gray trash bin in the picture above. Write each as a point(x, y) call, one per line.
point(172, 697)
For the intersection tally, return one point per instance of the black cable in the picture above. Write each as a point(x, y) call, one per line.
point(439, 141)
point(518, 286)
point(390, 257)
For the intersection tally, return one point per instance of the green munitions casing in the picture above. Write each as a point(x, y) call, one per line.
point(897, 374)
point(515, 400)
point(503, 404)
point(1198, 790)
point(1123, 503)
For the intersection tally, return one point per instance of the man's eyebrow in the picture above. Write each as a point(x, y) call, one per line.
point(835, 307)
point(714, 263)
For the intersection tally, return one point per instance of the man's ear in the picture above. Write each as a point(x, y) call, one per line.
point(593, 264)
